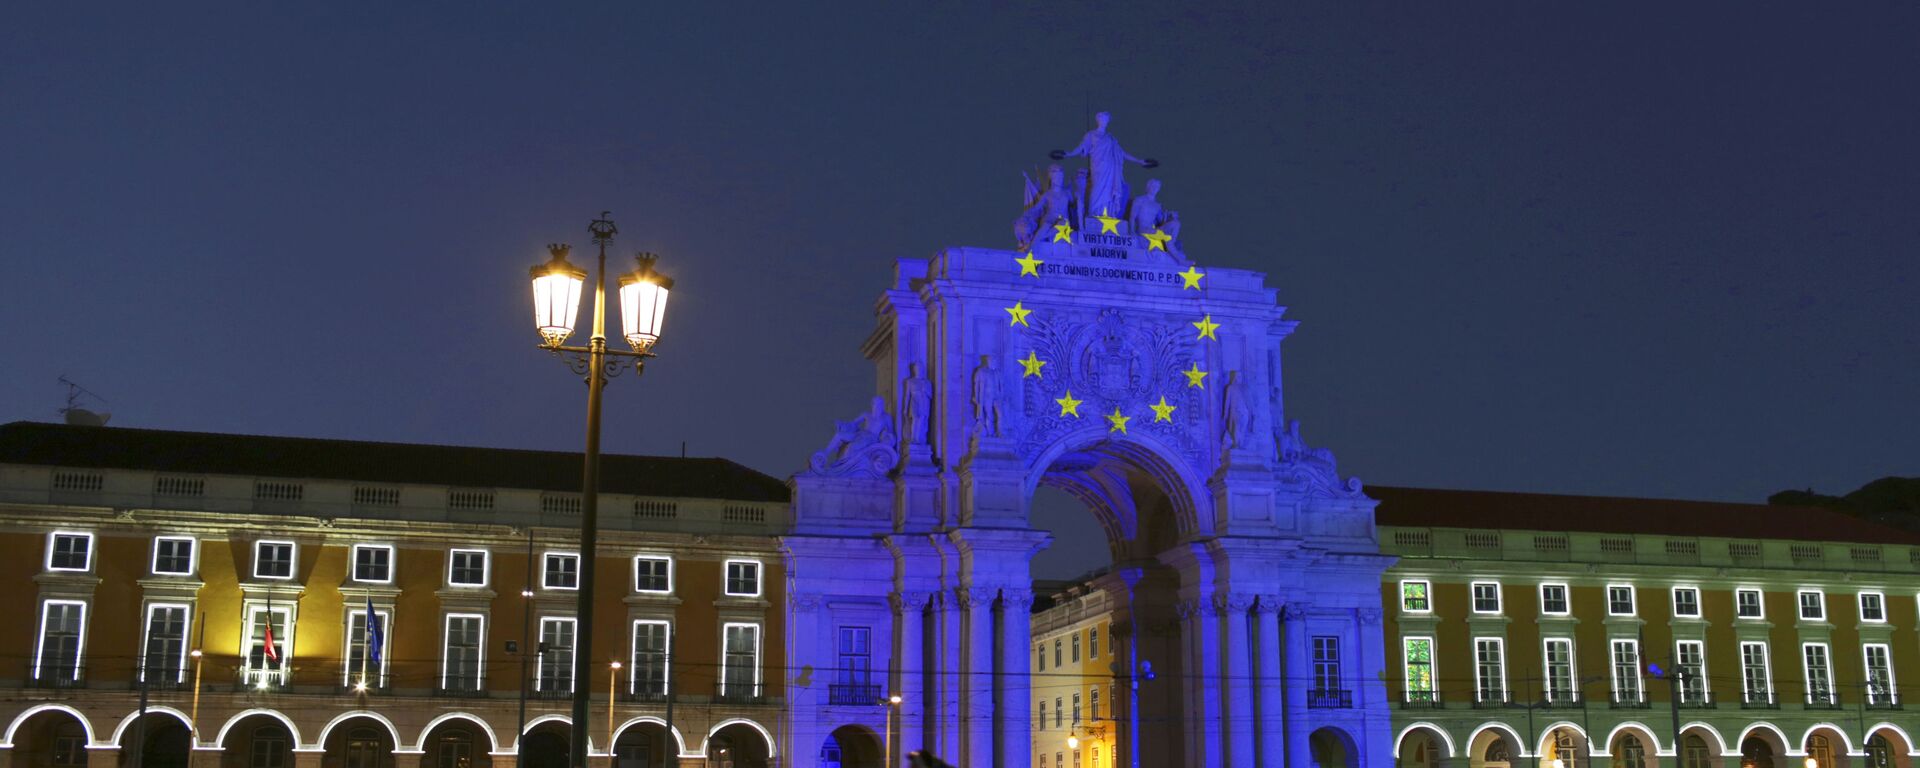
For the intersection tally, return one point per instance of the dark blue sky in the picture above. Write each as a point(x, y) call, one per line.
point(1666, 251)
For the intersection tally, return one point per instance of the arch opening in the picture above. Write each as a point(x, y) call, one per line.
point(455, 741)
point(162, 738)
point(739, 745)
point(258, 739)
point(50, 734)
point(852, 746)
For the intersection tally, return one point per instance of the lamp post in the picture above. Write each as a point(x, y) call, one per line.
point(556, 306)
point(893, 710)
point(613, 695)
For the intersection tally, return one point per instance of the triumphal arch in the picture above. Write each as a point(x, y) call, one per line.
point(1098, 357)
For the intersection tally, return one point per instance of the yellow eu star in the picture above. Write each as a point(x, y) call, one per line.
point(1206, 326)
point(1068, 405)
point(1019, 314)
point(1191, 278)
point(1194, 376)
point(1162, 411)
point(1157, 240)
point(1108, 224)
point(1117, 422)
point(1032, 364)
point(1063, 232)
point(1029, 265)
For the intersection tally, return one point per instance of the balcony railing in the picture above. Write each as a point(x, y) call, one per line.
point(551, 690)
point(1422, 700)
point(458, 687)
point(158, 679)
point(1330, 698)
point(1759, 701)
point(1490, 700)
point(738, 693)
point(1884, 701)
point(1630, 700)
point(1823, 700)
point(1696, 701)
point(850, 695)
point(56, 676)
point(646, 695)
point(1561, 700)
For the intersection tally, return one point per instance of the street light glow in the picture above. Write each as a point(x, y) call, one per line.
point(556, 296)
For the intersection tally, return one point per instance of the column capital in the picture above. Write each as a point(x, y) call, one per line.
point(1368, 616)
point(1021, 599)
point(805, 602)
point(975, 597)
point(1294, 611)
point(1233, 602)
point(1269, 604)
point(910, 601)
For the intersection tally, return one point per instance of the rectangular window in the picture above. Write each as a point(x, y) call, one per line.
point(1756, 680)
point(1093, 703)
point(1873, 607)
point(1813, 605)
point(1559, 670)
point(1880, 686)
point(1042, 709)
point(1414, 597)
point(651, 644)
point(1059, 711)
point(266, 662)
point(1326, 663)
point(560, 571)
point(465, 646)
point(1418, 653)
point(1553, 599)
point(1486, 597)
point(1747, 605)
point(653, 574)
point(67, 551)
point(1076, 707)
point(1057, 645)
point(273, 559)
point(1819, 674)
point(1626, 672)
point(1075, 658)
point(740, 673)
point(1686, 602)
point(555, 666)
point(173, 556)
point(373, 563)
point(467, 568)
point(63, 629)
point(1093, 643)
point(366, 664)
point(1040, 657)
point(856, 657)
point(1620, 600)
point(1692, 658)
point(743, 578)
point(1490, 669)
point(165, 657)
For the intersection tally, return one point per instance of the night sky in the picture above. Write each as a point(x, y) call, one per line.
point(1667, 251)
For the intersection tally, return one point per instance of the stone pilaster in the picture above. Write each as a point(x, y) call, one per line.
point(909, 671)
point(976, 670)
point(1237, 707)
point(1298, 672)
point(1269, 702)
point(1016, 675)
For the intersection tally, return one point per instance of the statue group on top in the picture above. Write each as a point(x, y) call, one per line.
point(1098, 190)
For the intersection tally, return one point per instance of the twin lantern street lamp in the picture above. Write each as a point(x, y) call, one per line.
point(557, 286)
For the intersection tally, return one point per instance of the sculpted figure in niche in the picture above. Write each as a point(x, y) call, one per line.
point(1107, 189)
point(917, 393)
point(1239, 417)
point(1045, 207)
point(1078, 191)
point(986, 398)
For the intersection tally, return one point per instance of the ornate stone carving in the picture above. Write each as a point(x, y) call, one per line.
point(1044, 208)
point(1144, 214)
point(805, 602)
point(916, 397)
point(909, 602)
point(1293, 612)
point(1016, 599)
point(1313, 468)
point(976, 597)
point(1107, 186)
point(986, 398)
point(1368, 616)
point(1238, 427)
point(864, 446)
point(1110, 359)
point(1268, 604)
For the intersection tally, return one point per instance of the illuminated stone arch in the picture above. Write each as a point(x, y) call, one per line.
point(1646, 734)
point(1899, 745)
point(1154, 460)
point(707, 741)
point(1499, 730)
point(493, 740)
point(1779, 741)
point(1838, 741)
point(1714, 738)
point(543, 720)
point(13, 728)
point(680, 742)
point(1546, 737)
point(1445, 738)
point(326, 730)
point(152, 709)
point(293, 731)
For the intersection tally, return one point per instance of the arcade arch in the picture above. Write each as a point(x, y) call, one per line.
point(258, 737)
point(1494, 745)
point(164, 738)
point(457, 740)
point(647, 742)
point(49, 734)
point(739, 743)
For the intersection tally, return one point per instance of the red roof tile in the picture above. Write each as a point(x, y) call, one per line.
point(1441, 508)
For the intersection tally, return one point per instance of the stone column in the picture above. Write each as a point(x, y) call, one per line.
point(1237, 708)
point(805, 648)
point(909, 665)
point(1268, 700)
point(1016, 676)
point(976, 674)
point(1297, 677)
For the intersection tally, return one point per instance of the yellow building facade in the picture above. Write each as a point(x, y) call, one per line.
point(1073, 680)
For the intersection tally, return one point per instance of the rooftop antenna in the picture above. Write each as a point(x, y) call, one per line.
point(78, 416)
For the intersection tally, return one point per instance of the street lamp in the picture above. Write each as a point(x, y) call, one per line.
point(613, 688)
point(557, 288)
point(893, 710)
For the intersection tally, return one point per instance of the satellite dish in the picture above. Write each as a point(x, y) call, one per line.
point(81, 417)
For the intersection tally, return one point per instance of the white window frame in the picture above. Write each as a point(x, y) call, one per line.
point(1633, 600)
point(1546, 667)
point(1700, 649)
point(1697, 609)
point(293, 558)
point(544, 572)
point(1806, 669)
point(251, 675)
point(1500, 659)
point(1473, 597)
point(1759, 603)
point(480, 649)
point(1880, 606)
point(40, 639)
point(1403, 596)
point(186, 638)
point(1433, 666)
point(668, 559)
point(1566, 599)
point(385, 617)
point(1613, 667)
point(1819, 602)
point(1766, 667)
point(759, 577)
point(486, 567)
point(55, 536)
point(193, 556)
point(633, 656)
point(573, 651)
point(353, 563)
point(759, 642)
point(1892, 695)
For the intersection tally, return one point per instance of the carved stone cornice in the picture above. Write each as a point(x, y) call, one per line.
point(1017, 599)
point(971, 598)
point(909, 601)
point(1269, 604)
point(805, 602)
point(1369, 617)
point(1232, 602)
point(1292, 612)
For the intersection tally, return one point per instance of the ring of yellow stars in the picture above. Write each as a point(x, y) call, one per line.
point(1030, 265)
point(1019, 314)
point(1117, 422)
point(1206, 326)
point(1068, 405)
point(1194, 376)
point(1108, 224)
point(1162, 411)
point(1063, 232)
point(1191, 278)
point(1157, 240)
point(1032, 364)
